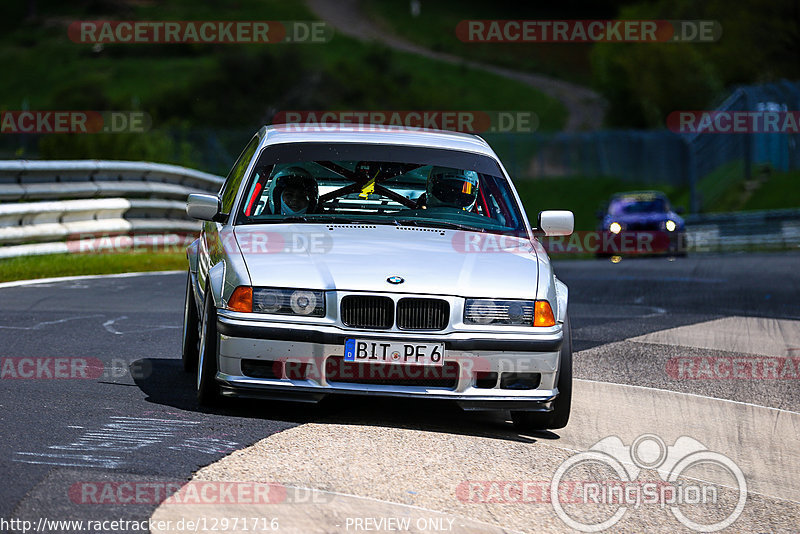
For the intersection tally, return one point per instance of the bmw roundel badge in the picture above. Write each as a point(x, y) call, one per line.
point(395, 280)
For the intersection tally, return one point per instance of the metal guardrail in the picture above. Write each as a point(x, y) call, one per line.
point(46, 205)
point(25, 171)
point(745, 230)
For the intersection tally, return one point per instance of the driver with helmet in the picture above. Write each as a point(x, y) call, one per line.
point(293, 191)
point(454, 188)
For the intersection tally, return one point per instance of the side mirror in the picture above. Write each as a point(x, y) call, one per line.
point(556, 222)
point(600, 214)
point(203, 207)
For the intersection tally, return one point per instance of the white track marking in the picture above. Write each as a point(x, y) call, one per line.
point(43, 281)
point(745, 335)
point(41, 325)
point(110, 327)
point(97, 446)
point(688, 394)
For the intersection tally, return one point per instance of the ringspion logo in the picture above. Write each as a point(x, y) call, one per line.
point(615, 469)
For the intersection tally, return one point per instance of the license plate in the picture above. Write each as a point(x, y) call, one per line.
point(369, 351)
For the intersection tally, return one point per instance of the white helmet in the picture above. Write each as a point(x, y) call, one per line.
point(293, 191)
point(454, 188)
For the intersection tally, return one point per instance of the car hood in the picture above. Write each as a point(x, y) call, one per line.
point(362, 257)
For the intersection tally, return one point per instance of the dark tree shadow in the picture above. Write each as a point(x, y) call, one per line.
point(165, 382)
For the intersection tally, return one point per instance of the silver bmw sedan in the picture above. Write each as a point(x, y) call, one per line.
point(377, 261)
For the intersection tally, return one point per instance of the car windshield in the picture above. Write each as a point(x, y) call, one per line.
point(627, 206)
point(394, 185)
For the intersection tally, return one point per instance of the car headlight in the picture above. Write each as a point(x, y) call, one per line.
point(670, 225)
point(615, 227)
point(305, 302)
point(508, 312)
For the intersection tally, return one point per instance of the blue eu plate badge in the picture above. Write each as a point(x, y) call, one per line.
point(350, 350)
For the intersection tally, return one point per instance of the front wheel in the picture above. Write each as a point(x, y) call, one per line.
point(190, 346)
point(207, 387)
point(558, 418)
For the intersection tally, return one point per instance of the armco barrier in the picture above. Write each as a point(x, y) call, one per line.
point(44, 203)
point(744, 230)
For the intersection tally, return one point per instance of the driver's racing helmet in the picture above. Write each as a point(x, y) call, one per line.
point(455, 188)
point(301, 191)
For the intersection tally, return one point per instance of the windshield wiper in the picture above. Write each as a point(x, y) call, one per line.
point(440, 224)
point(317, 219)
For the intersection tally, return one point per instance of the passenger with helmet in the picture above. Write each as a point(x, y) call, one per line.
point(293, 191)
point(453, 188)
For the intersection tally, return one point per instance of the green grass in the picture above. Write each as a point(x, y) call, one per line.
point(584, 196)
point(721, 189)
point(781, 190)
point(724, 190)
point(405, 81)
point(51, 265)
point(435, 28)
point(207, 88)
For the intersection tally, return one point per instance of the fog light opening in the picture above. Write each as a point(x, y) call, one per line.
point(520, 380)
point(485, 380)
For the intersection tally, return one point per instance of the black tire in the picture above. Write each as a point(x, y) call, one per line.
point(559, 417)
point(207, 387)
point(190, 345)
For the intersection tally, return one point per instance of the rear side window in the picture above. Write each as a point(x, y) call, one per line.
point(234, 179)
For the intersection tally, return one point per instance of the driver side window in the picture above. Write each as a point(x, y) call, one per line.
point(234, 180)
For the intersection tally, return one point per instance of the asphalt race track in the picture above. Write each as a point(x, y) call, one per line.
point(135, 418)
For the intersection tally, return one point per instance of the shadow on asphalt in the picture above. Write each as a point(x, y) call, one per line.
point(165, 382)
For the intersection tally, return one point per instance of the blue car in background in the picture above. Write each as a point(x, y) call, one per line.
point(641, 223)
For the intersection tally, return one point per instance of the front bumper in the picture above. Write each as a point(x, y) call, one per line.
point(476, 356)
